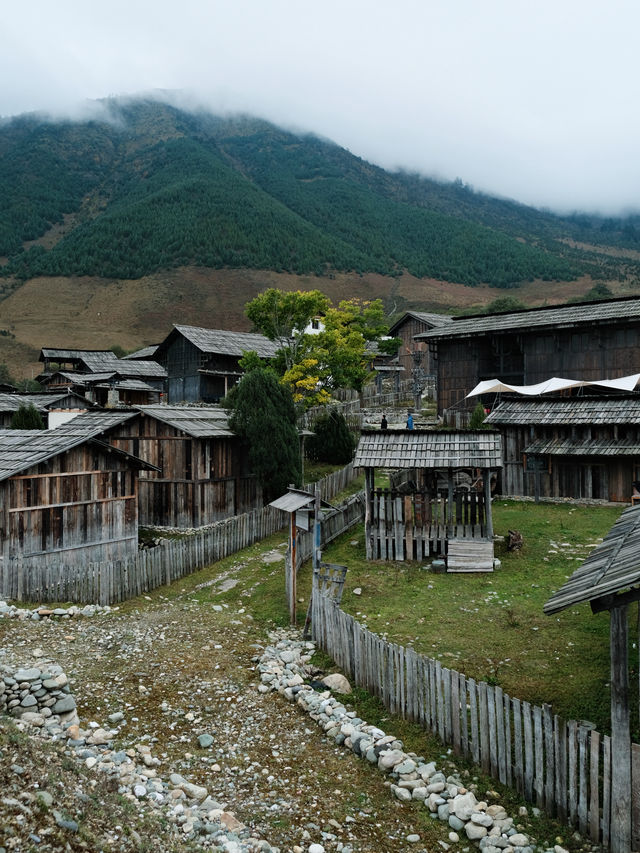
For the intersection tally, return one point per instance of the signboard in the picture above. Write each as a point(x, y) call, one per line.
point(303, 519)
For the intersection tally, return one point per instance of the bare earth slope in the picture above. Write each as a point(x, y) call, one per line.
point(93, 313)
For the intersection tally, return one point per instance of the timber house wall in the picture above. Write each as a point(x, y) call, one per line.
point(78, 506)
point(200, 481)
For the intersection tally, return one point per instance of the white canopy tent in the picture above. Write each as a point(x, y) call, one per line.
point(496, 386)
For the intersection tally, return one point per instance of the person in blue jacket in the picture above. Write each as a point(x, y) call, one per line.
point(409, 420)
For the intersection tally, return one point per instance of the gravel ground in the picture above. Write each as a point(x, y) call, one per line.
point(178, 668)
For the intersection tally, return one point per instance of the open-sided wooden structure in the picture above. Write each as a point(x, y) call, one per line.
point(443, 507)
point(609, 579)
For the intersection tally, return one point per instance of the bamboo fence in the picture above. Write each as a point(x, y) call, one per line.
point(562, 767)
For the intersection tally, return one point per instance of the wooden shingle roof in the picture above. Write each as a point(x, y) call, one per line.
point(196, 421)
point(564, 316)
point(224, 342)
point(611, 568)
point(584, 447)
point(429, 449)
point(22, 449)
point(426, 317)
point(567, 411)
point(42, 402)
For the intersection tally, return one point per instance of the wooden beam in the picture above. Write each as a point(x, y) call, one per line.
point(608, 602)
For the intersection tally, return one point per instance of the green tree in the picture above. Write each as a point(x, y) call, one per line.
point(333, 441)
point(283, 316)
point(263, 415)
point(477, 417)
point(27, 417)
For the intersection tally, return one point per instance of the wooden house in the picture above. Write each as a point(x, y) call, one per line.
point(55, 408)
point(443, 505)
point(199, 475)
point(570, 447)
point(415, 354)
point(585, 341)
point(202, 364)
point(102, 376)
point(66, 497)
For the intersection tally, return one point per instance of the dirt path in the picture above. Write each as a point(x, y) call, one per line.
point(178, 668)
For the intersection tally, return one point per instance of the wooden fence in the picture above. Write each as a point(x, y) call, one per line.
point(334, 483)
point(562, 767)
point(44, 580)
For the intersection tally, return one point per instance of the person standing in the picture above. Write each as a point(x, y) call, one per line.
point(409, 420)
point(383, 422)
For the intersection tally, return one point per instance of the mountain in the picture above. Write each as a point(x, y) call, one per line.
point(198, 212)
point(152, 187)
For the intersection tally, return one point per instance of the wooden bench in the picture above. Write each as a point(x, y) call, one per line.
point(469, 555)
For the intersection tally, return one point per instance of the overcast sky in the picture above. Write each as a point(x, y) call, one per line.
point(535, 100)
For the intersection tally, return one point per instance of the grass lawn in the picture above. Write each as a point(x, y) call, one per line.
point(491, 626)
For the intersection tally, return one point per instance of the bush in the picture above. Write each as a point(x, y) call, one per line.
point(333, 441)
point(27, 417)
point(477, 417)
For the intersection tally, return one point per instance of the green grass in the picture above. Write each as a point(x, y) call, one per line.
point(491, 626)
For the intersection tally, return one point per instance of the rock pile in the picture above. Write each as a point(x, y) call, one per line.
point(284, 666)
point(10, 611)
point(38, 695)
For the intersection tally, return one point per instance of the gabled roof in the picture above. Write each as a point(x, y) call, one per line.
point(611, 568)
point(430, 319)
point(22, 449)
point(566, 411)
point(42, 402)
point(144, 353)
point(196, 421)
point(224, 342)
point(429, 449)
point(104, 361)
point(564, 316)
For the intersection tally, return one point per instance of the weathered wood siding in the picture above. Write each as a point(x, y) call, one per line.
point(596, 352)
point(200, 481)
point(80, 506)
point(594, 477)
point(413, 326)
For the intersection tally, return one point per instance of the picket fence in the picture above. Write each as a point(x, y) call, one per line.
point(45, 580)
point(562, 767)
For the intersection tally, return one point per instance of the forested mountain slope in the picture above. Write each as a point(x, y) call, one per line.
point(150, 187)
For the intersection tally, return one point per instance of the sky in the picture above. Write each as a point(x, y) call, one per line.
point(535, 100)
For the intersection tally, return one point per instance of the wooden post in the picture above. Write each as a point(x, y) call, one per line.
point(449, 521)
point(369, 475)
point(316, 558)
point(486, 480)
point(292, 569)
point(620, 735)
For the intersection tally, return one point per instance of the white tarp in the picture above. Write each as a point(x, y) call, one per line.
point(495, 386)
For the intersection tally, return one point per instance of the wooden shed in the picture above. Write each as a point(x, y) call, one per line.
point(609, 579)
point(585, 341)
point(66, 496)
point(570, 447)
point(202, 364)
point(201, 474)
point(442, 506)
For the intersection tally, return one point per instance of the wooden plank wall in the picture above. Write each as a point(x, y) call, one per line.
point(561, 767)
point(43, 579)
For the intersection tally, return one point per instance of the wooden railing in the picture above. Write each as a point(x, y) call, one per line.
point(562, 767)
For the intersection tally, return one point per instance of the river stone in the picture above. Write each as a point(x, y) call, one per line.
point(518, 840)
point(475, 832)
point(29, 701)
point(67, 703)
point(205, 741)
point(390, 758)
point(337, 682)
point(194, 792)
point(464, 805)
point(481, 819)
point(32, 674)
